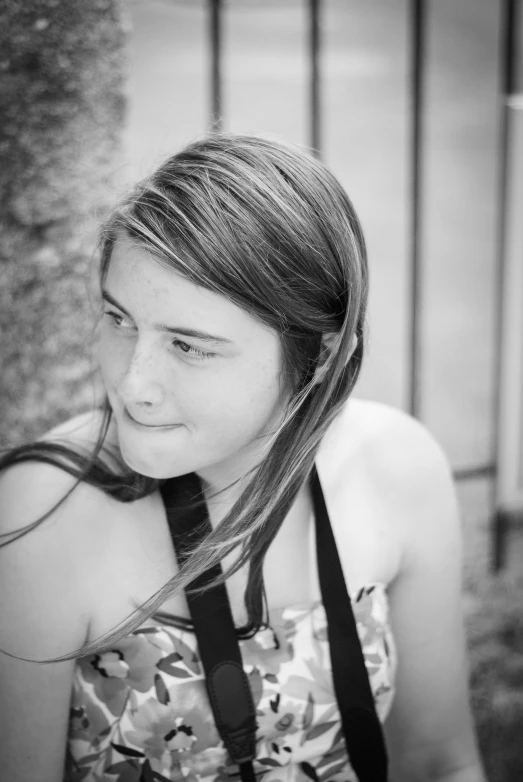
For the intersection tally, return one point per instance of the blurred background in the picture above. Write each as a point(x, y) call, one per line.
point(416, 107)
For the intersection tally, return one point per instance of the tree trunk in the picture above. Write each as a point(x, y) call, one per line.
point(61, 119)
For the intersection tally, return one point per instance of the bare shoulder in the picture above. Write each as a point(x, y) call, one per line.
point(42, 571)
point(69, 543)
point(58, 514)
point(31, 489)
point(383, 439)
point(388, 467)
point(50, 523)
point(395, 448)
point(414, 478)
point(398, 446)
point(47, 580)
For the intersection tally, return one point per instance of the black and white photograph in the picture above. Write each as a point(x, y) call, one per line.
point(261, 390)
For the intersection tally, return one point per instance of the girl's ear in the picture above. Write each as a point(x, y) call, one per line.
point(328, 342)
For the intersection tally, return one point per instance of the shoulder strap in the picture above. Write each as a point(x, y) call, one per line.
point(227, 684)
point(361, 725)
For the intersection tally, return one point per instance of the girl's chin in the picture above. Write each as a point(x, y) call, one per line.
point(154, 471)
point(154, 466)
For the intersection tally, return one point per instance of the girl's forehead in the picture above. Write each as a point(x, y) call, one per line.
point(144, 281)
point(132, 266)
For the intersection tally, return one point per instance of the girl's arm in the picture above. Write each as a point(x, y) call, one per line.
point(44, 614)
point(429, 731)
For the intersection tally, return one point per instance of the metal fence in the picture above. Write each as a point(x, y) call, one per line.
point(508, 401)
point(505, 468)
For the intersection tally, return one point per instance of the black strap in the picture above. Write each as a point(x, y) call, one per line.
point(361, 725)
point(227, 684)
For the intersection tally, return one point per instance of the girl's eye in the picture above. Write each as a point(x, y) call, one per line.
point(191, 351)
point(122, 324)
point(117, 320)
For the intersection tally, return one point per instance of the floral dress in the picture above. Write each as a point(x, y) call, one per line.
point(140, 713)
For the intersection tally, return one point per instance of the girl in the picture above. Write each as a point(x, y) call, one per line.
point(234, 290)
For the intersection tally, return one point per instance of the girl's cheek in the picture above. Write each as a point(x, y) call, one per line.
point(112, 361)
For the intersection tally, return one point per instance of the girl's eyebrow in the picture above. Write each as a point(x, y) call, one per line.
point(194, 333)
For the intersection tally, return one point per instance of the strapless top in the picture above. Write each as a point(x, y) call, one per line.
point(140, 712)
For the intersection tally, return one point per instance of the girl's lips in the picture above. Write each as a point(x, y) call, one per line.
point(128, 417)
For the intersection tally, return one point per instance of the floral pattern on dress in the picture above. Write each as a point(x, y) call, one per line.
point(140, 712)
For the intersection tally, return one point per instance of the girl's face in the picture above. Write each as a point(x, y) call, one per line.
point(194, 381)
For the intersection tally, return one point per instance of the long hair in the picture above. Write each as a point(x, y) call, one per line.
point(270, 228)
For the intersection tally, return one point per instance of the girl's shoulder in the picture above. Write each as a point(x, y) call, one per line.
point(34, 488)
point(35, 485)
point(66, 539)
point(382, 441)
point(31, 488)
point(381, 469)
point(48, 521)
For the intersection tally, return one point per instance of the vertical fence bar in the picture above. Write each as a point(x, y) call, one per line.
point(507, 53)
point(417, 48)
point(314, 55)
point(215, 31)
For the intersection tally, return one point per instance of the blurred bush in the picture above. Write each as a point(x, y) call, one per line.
point(61, 119)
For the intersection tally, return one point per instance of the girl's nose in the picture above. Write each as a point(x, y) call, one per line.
point(140, 384)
